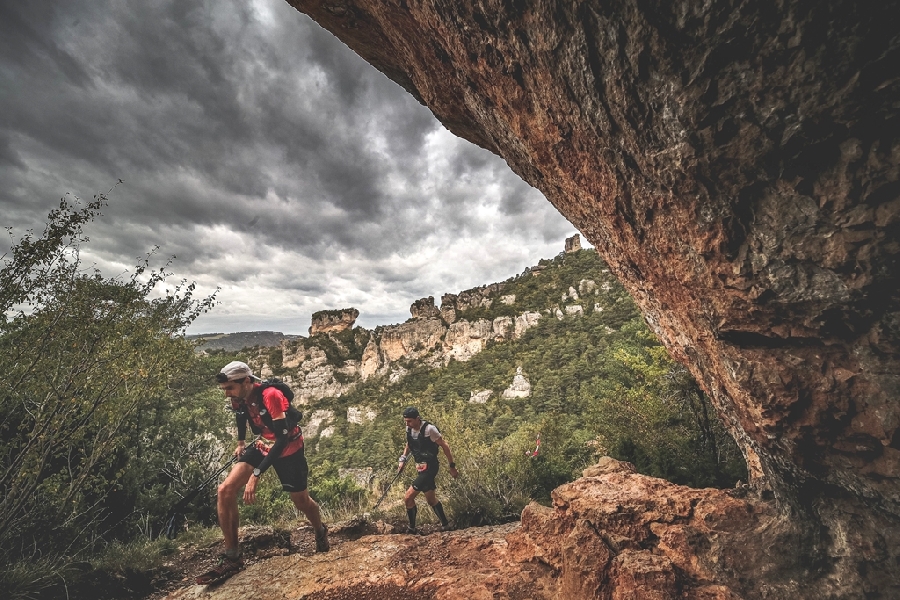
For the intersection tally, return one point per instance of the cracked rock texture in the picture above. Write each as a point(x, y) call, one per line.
point(736, 164)
point(612, 534)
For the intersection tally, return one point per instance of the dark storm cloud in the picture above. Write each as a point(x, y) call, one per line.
point(170, 96)
point(256, 148)
point(24, 44)
point(8, 156)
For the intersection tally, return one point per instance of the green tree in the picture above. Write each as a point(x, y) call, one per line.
point(92, 372)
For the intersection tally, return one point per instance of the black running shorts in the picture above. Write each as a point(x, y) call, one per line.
point(424, 481)
point(293, 472)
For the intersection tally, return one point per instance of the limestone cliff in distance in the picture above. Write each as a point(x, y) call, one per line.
point(333, 321)
point(336, 355)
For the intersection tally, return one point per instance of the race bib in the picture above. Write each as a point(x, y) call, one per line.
point(421, 467)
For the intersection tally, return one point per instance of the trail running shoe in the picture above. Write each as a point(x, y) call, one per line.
point(322, 544)
point(225, 568)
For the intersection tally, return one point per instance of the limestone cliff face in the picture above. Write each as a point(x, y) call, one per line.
point(309, 371)
point(424, 309)
point(435, 343)
point(737, 166)
point(412, 340)
point(427, 338)
point(484, 296)
point(311, 376)
point(333, 321)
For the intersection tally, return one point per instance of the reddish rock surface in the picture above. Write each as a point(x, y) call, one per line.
point(612, 534)
point(736, 164)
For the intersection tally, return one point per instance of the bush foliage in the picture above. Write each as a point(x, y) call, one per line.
point(105, 414)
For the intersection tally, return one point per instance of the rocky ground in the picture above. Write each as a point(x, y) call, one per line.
point(367, 561)
point(612, 534)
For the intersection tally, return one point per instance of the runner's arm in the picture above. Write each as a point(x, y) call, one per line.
point(241, 419)
point(276, 404)
point(281, 441)
point(404, 458)
point(446, 448)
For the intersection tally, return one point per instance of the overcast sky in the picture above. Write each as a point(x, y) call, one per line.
point(262, 153)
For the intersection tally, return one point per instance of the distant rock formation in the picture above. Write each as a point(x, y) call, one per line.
point(448, 308)
point(328, 364)
point(424, 308)
point(333, 321)
point(313, 424)
point(520, 386)
point(587, 286)
point(360, 415)
point(573, 244)
point(574, 309)
point(570, 295)
point(411, 340)
point(311, 375)
point(436, 342)
point(524, 322)
point(480, 397)
point(465, 339)
point(453, 304)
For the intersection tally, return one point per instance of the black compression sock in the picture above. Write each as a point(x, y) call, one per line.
point(439, 511)
point(411, 513)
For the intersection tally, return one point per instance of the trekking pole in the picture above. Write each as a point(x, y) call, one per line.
point(177, 512)
point(389, 486)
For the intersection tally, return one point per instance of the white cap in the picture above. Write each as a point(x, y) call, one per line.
point(236, 370)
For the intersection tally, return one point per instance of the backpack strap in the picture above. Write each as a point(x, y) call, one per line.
point(292, 416)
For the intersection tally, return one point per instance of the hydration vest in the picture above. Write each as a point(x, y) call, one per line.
point(422, 447)
point(253, 409)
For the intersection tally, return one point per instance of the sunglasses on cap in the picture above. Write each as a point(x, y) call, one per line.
point(223, 378)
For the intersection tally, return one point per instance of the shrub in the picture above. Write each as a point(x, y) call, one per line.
point(92, 372)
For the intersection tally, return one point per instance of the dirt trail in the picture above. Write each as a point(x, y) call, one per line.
point(363, 564)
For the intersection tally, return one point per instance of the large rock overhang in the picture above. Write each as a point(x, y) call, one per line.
point(736, 164)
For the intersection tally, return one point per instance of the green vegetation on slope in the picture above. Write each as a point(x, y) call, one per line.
point(107, 412)
point(601, 384)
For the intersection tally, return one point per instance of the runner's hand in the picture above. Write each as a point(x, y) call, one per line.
point(250, 490)
point(240, 448)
